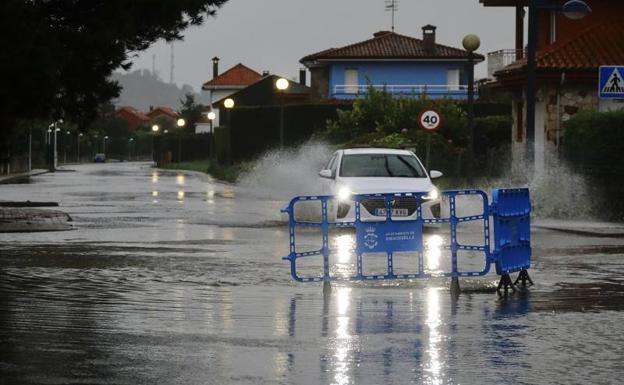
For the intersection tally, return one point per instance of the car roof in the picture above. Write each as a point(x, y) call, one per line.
point(353, 151)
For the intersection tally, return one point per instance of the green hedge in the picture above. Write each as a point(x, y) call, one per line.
point(595, 140)
point(256, 129)
point(594, 146)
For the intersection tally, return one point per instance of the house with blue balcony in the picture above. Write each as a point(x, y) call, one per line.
point(402, 65)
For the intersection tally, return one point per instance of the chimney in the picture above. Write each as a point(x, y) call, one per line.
point(429, 41)
point(265, 73)
point(302, 76)
point(215, 67)
point(151, 108)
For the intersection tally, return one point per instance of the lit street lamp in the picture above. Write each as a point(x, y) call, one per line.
point(471, 43)
point(130, 143)
point(181, 123)
point(228, 104)
point(282, 85)
point(54, 160)
point(155, 129)
point(211, 117)
point(104, 145)
point(78, 147)
point(572, 9)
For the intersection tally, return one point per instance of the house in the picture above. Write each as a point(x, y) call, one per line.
point(264, 92)
point(165, 112)
point(401, 64)
point(132, 116)
point(569, 53)
point(230, 81)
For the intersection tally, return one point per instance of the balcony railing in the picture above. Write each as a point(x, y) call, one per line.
point(403, 89)
point(500, 59)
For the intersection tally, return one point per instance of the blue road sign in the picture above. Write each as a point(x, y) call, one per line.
point(611, 82)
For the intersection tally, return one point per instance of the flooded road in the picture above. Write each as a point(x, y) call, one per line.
point(173, 278)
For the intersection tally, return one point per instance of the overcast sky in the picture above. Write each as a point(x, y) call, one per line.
point(274, 34)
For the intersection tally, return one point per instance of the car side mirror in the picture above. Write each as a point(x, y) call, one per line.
point(433, 174)
point(327, 173)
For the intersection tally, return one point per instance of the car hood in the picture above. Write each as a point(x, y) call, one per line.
point(386, 185)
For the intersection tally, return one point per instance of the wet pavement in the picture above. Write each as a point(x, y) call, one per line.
point(173, 278)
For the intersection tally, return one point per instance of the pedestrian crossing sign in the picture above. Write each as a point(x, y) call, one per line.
point(611, 82)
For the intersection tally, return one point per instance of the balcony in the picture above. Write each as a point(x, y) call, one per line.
point(435, 91)
point(500, 59)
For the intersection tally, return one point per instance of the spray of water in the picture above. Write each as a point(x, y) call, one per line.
point(282, 174)
point(556, 191)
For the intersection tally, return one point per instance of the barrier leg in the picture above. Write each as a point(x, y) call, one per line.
point(326, 287)
point(524, 277)
point(455, 289)
point(506, 283)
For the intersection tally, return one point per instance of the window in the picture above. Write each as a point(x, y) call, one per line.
point(351, 81)
point(381, 165)
point(452, 79)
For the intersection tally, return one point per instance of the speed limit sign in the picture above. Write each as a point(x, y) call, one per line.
point(430, 120)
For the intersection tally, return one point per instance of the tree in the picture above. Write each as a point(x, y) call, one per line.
point(58, 55)
point(191, 112)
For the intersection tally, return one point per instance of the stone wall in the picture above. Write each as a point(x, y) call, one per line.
point(572, 99)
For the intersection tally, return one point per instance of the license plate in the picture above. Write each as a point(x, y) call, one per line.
point(395, 212)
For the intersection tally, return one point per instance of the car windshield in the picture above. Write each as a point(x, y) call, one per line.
point(381, 165)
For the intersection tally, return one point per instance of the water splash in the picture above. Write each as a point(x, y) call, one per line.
point(282, 174)
point(556, 190)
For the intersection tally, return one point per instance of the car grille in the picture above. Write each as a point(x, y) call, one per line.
point(372, 204)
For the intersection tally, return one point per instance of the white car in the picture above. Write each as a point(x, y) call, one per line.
point(379, 170)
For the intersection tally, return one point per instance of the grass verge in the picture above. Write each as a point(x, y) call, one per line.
point(216, 170)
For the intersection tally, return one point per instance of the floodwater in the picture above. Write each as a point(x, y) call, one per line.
point(173, 278)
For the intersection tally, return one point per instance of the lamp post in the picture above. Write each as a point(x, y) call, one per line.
point(228, 104)
point(211, 117)
point(65, 146)
point(180, 123)
point(78, 147)
point(572, 9)
point(130, 143)
point(104, 145)
point(155, 129)
point(281, 84)
point(471, 43)
point(54, 127)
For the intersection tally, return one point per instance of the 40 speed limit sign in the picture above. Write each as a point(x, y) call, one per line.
point(430, 120)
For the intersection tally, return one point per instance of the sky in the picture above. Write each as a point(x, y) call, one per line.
point(274, 35)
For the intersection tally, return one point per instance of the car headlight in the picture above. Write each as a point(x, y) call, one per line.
point(432, 195)
point(344, 194)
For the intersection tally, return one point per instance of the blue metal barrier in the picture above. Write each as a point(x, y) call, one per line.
point(384, 232)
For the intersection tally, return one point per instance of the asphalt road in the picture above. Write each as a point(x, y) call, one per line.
point(173, 278)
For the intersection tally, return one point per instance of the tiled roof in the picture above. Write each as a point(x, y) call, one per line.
point(598, 45)
point(239, 75)
point(132, 111)
point(163, 111)
point(390, 45)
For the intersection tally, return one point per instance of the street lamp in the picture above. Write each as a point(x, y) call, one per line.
point(471, 43)
point(54, 127)
point(181, 123)
point(282, 85)
point(228, 104)
point(104, 145)
point(130, 143)
point(65, 146)
point(211, 117)
point(572, 9)
point(78, 147)
point(155, 129)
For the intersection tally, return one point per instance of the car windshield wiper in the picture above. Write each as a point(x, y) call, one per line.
point(414, 171)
